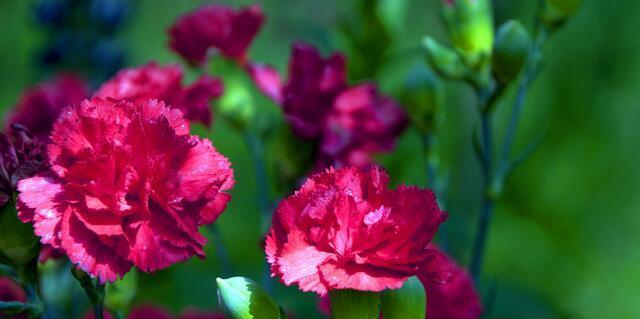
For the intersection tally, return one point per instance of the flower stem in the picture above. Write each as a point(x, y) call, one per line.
point(94, 289)
point(532, 69)
point(487, 201)
point(256, 150)
point(494, 181)
point(221, 250)
point(433, 182)
point(98, 306)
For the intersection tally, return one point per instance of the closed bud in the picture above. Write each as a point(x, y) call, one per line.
point(470, 26)
point(237, 105)
point(422, 98)
point(244, 299)
point(444, 60)
point(17, 241)
point(510, 52)
point(409, 301)
point(555, 12)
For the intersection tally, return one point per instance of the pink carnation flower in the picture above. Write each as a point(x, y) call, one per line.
point(127, 186)
point(345, 229)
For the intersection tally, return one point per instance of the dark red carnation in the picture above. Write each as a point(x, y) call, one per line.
point(40, 106)
point(21, 156)
point(195, 314)
point(127, 186)
point(148, 312)
point(345, 229)
point(456, 299)
point(217, 27)
point(152, 81)
point(10, 291)
point(313, 84)
point(362, 122)
point(349, 123)
point(91, 315)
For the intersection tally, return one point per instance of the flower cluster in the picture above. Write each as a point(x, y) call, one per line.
point(344, 229)
point(215, 27)
point(127, 186)
point(40, 106)
point(152, 81)
point(351, 123)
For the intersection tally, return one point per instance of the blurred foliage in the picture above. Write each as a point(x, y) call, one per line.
point(563, 237)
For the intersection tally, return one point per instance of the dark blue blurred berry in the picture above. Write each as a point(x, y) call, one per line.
point(108, 56)
point(108, 14)
point(51, 12)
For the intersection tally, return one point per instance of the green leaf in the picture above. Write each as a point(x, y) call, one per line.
point(11, 308)
point(244, 299)
point(408, 302)
point(444, 60)
point(354, 304)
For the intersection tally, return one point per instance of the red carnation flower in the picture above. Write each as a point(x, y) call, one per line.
point(456, 299)
point(127, 186)
point(221, 27)
point(152, 81)
point(362, 122)
point(344, 229)
point(40, 106)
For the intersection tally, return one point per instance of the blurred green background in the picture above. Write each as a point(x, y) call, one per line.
point(563, 240)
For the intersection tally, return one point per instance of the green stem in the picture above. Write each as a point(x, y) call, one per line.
point(428, 145)
point(94, 289)
point(221, 250)
point(434, 183)
point(486, 213)
point(98, 305)
point(532, 69)
point(256, 150)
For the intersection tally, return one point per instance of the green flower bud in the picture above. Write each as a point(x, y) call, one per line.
point(568, 7)
point(119, 295)
point(470, 26)
point(422, 98)
point(17, 241)
point(410, 301)
point(237, 105)
point(513, 43)
point(354, 304)
point(555, 12)
point(244, 299)
point(444, 60)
